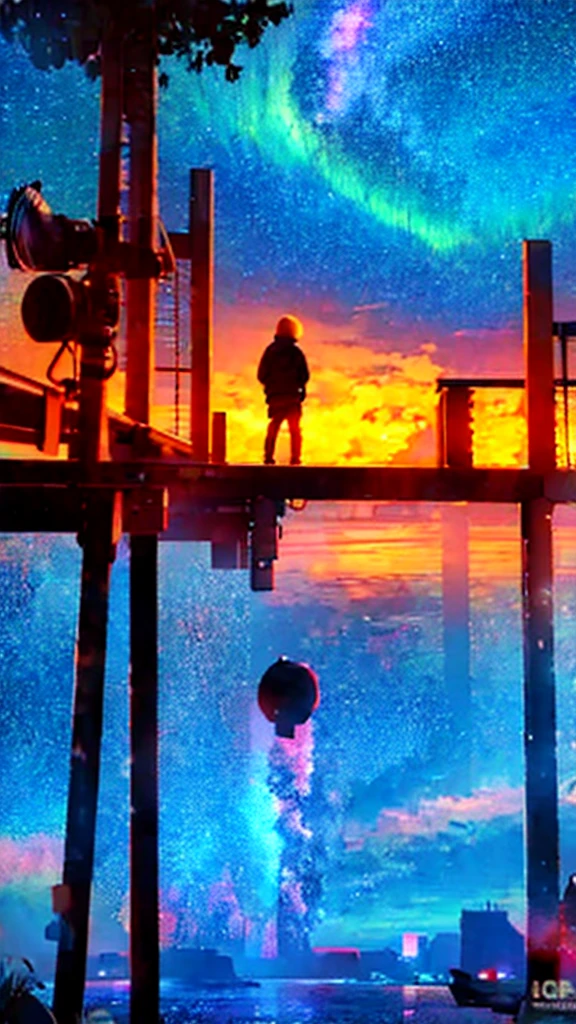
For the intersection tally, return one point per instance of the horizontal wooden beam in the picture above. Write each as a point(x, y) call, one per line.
point(213, 503)
point(474, 383)
point(60, 509)
point(187, 480)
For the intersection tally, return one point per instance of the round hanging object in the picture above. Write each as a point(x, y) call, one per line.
point(288, 694)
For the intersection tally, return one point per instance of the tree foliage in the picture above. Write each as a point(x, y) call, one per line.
point(200, 32)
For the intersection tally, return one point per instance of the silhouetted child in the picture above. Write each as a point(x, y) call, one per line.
point(283, 371)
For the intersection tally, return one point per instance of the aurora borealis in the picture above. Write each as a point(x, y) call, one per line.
point(377, 165)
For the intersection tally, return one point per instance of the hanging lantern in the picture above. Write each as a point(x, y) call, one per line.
point(288, 694)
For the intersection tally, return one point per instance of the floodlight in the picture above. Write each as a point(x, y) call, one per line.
point(52, 306)
point(38, 239)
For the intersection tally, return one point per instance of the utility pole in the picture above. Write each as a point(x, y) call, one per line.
point(98, 535)
point(140, 109)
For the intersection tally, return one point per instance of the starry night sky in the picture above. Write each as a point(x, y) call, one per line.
point(377, 166)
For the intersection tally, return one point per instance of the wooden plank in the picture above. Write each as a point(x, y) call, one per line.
point(189, 481)
point(21, 407)
point(180, 242)
point(52, 423)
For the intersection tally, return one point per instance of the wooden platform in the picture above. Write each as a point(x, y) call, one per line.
point(175, 497)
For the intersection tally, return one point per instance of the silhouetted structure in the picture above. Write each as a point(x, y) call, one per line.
point(490, 942)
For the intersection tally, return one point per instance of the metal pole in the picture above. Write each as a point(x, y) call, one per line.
point(541, 831)
point(542, 842)
point(201, 301)
point(140, 109)
point(98, 534)
point(144, 929)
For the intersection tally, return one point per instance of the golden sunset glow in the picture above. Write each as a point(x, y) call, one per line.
point(366, 404)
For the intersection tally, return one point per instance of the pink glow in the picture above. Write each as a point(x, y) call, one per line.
point(222, 896)
point(270, 940)
point(410, 944)
point(348, 26)
point(292, 891)
point(168, 925)
point(37, 856)
point(298, 754)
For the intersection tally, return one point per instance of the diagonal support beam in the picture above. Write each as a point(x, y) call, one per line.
point(101, 530)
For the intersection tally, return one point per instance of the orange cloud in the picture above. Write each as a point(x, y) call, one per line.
point(364, 405)
point(368, 402)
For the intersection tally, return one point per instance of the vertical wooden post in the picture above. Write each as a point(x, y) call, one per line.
point(263, 543)
point(441, 428)
point(101, 529)
point(201, 301)
point(141, 116)
point(91, 444)
point(144, 928)
point(541, 838)
point(218, 453)
point(456, 636)
point(98, 535)
point(140, 108)
point(539, 354)
point(455, 451)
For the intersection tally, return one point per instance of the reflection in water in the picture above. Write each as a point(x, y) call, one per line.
point(296, 1002)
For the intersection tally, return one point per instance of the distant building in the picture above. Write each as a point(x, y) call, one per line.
point(443, 954)
point(489, 941)
point(108, 966)
point(335, 962)
point(385, 964)
point(415, 950)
